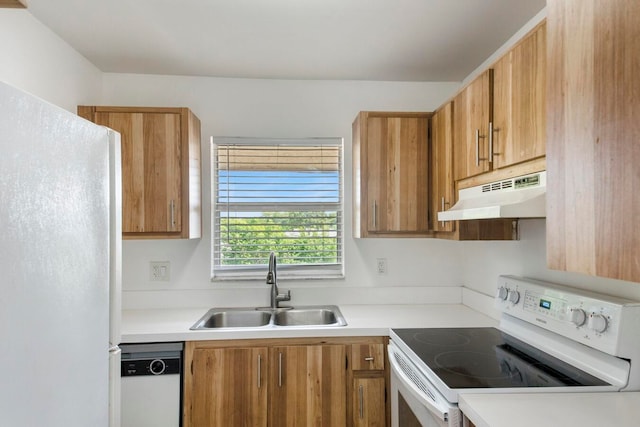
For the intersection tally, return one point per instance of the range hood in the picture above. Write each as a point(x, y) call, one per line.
point(520, 197)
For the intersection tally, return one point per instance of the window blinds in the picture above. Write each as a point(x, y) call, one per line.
point(279, 195)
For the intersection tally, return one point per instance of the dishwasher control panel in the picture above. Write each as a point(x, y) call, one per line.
point(151, 359)
point(155, 366)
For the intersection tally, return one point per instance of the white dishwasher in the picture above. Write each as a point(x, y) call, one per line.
point(151, 384)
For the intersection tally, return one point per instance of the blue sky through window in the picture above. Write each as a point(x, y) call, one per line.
point(278, 186)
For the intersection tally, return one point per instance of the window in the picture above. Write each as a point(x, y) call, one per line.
point(280, 195)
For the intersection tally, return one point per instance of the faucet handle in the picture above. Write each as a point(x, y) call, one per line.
point(285, 296)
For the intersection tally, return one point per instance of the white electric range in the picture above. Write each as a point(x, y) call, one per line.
point(551, 338)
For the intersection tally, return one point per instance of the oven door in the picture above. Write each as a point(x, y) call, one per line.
point(415, 401)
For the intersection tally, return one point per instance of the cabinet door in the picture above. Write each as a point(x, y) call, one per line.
point(228, 387)
point(442, 165)
point(472, 114)
point(367, 357)
point(151, 173)
point(519, 107)
point(308, 386)
point(369, 402)
point(593, 202)
point(397, 178)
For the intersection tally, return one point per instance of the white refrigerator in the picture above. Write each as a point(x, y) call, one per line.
point(60, 266)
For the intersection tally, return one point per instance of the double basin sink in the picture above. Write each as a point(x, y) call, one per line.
point(261, 317)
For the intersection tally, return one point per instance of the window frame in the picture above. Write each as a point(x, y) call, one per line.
point(292, 271)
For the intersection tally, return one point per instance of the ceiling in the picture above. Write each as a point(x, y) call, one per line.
point(392, 40)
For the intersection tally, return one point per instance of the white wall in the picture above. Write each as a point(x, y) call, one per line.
point(275, 108)
point(37, 61)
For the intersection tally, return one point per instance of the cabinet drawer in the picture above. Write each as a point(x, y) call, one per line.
point(367, 357)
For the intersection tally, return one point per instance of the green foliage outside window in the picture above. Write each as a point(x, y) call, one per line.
point(297, 237)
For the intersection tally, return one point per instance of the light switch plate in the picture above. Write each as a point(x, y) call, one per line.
point(159, 271)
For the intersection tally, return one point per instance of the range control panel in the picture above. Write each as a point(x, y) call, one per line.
point(587, 317)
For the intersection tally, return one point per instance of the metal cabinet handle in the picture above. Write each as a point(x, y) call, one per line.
point(443, 204)
point(368, 359)
point(259, 370)
point(477, 147)
point(361, 393)
point(375, 215)
point(279, 369)
point(490, 142)
point(478, 158)
point(172, 205)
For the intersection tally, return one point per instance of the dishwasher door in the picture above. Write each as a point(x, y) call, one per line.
point(151, 385)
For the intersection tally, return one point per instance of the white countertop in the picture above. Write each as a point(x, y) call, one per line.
point(163, 325)
point(552, 409)
point(484, 410)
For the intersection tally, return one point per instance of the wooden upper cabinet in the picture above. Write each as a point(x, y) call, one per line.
point(519, 101)
point(472, 114)
point(593, 144)
point(390, 174)
point(160, 169)
point(443, 188)
point(443, 194)
point(499, 118)
point(21, 4)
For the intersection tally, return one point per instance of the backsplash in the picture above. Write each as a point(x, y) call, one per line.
point(486, 260)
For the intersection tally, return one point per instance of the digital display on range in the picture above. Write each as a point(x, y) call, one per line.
point(545, 304)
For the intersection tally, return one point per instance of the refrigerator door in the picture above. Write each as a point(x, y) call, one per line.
point(115, 356)
point(54, 258)
point(115, 240)
point(115, 276)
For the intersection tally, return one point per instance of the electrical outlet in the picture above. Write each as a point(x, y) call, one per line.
point(159, 271)
point(381, 266)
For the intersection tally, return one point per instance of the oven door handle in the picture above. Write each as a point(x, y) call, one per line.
point(439, 409)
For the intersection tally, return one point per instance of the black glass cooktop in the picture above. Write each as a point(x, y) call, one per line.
point(488, 358)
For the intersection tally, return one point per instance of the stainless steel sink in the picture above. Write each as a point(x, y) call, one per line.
point(233, 318)
point(306, 316)
point(284, 317)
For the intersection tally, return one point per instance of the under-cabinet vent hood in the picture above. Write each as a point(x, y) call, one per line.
point(520, 197)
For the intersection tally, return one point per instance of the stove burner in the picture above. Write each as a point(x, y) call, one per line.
point(444, 338)
point(471, 364)
point(480, 358)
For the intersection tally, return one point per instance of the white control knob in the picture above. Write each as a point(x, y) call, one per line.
point(598, 323)
point(577, 316)
point(503, 293)
point(514, 296)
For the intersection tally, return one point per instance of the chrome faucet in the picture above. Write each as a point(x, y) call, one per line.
point(272, 280)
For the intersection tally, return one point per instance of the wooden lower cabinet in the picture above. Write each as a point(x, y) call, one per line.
point(466, 422)
point(368, 402)
point(308, 385)
point(228, 387)
point(286, 382)
point(369, 380)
